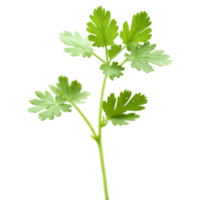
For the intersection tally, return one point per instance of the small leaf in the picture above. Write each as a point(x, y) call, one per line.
point(114, 50)
point(112, 71)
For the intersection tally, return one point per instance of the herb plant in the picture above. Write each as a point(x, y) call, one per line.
point(140, 53)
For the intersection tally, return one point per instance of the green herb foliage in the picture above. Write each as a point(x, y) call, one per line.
point(102, 33)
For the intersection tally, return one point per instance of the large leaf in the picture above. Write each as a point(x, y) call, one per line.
point(139, 31)
point(117, 112)
point(141, 56)
point(76, 42)
point(103, 30)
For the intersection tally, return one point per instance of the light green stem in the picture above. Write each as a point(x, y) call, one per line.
point(86, 120)
point(98, 57)
point(100, 144)
point(103, 170)
point(123, 62)
point(98, 134)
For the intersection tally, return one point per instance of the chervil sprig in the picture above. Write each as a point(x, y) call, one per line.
point(120, 110)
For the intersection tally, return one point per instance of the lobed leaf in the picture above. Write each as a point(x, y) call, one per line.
point(139, 31)
point(72, 93)
point(116, 112)
point(53, 107)
point(78, 45)
point(103, 30)
point(112, 71)
point(141, 56)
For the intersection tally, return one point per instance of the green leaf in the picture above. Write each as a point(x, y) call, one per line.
point(103, 31)
point(139, 31)
point(112, 71)
point(114, 50)
point(76, 41)
point(72, 93)
point(116, 112)
point(66, 91)
point(47, 102)
point(141, 57)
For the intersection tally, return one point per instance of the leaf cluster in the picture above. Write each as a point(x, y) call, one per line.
point(103, 30)
point(66, 96)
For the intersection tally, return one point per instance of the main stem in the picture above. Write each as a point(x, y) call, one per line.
point(100, 144)
point(103, 170)
point(97, 135)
